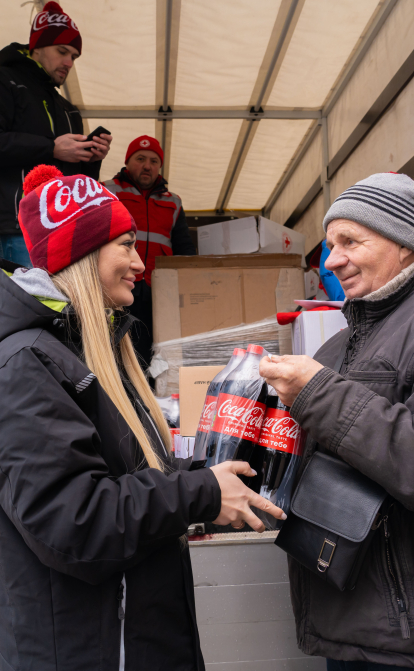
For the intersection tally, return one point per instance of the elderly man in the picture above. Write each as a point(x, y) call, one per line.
point(161, 225)
point(37, 125)
point(364, 415)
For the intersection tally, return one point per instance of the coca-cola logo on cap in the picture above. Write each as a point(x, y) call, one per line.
point(144, 143)
point(287, 242)
point(59, 202)
point(47, 20)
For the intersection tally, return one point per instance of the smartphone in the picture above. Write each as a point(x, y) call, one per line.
point(96, 132)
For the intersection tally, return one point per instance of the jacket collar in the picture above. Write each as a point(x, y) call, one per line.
point(160, 185)
point(18, 56)
point(68, 332)
point(379, 304)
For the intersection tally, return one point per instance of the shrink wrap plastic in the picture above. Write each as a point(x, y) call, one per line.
point(213, 348)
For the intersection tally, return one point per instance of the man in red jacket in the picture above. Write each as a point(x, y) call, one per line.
point(161, 226)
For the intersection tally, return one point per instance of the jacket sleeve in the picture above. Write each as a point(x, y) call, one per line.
point(19, 149)
point(57, 490)
point(180, 237)
point(363, 428)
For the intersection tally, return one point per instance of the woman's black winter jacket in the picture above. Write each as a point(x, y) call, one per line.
point(78, 521)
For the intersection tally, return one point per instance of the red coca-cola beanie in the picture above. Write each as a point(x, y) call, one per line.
point(64, 219)
point(53, 26)
point(144, 142)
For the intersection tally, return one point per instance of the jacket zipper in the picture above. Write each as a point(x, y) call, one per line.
point(121, 597)
point(50, 117)
point(70, 125)
point(16, 209)
point(405, 627)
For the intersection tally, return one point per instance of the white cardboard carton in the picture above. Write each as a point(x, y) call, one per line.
point(237, 236)
point(277, 239)
point(312, 329)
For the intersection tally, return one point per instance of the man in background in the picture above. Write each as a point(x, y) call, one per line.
point(161, 226)
point(37, 125)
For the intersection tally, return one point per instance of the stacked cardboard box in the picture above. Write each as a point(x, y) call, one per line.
point(203, 307)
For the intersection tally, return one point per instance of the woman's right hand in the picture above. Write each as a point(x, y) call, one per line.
point(236, 498)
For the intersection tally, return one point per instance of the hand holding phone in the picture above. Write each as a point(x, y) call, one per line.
point(97, 133)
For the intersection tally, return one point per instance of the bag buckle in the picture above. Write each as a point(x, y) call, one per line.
point(324, 563)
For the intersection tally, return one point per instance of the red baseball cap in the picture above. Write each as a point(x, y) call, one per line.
point(53, 26)
point(145, 142)
point(64, 219)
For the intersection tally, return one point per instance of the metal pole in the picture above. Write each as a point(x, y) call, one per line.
point(325, 162)
point(277, 51)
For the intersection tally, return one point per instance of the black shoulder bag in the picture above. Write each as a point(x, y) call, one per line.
point(335, 512)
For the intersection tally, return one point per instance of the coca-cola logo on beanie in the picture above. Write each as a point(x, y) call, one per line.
point(59, 202)
point(53, 26)
point(64, 219)
point(47, 20)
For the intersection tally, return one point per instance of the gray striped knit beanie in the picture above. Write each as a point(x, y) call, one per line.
point(383, 202)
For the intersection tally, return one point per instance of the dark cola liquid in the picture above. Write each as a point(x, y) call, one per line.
point(200, 443)
point(281, 441)
point(223, 447)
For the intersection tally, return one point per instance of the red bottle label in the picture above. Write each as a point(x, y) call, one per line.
point(239, 417)
point(281, 432)
point(207, 415)
point(174, 432)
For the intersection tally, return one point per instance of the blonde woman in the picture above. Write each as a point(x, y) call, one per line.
point(94, 572)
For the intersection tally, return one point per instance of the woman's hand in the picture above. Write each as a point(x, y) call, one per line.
point(236, 498)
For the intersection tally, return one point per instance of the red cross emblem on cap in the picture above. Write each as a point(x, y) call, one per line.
point(145, 143)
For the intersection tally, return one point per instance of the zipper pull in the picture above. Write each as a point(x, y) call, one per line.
point(405, 627)
point(120, 596)
point(386, 531)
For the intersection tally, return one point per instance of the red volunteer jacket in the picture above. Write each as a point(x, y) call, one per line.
point(161, 226)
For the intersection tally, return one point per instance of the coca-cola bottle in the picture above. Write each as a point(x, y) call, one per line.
point(282, 440)
point(239, 412)
point(208, 413)
point(173, 414)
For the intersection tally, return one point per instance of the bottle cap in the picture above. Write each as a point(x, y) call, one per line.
point(255, 349)
point(175, 395)
point(239, 352)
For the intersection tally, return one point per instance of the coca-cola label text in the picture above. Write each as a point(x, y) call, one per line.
point(239, 417)
point(207, 415)
point(280, 432)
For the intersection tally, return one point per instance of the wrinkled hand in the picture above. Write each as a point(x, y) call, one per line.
point(100, 147)
point(288, 374)
point(236, 498)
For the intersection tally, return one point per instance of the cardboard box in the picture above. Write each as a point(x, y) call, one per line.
point(312, 329)
point(275, 238)
point(311, 284)
point(237, 236)
point(229, 261)
point(193, 385)
point(187, 301)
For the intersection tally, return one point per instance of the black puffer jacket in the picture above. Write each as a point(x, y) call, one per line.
point(365, 416)
point(32, 114)
point(78, 521)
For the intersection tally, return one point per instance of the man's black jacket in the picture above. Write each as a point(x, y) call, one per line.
point(78, 511)
point(32, 114)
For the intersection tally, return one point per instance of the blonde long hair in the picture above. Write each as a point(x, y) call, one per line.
point(80, 282)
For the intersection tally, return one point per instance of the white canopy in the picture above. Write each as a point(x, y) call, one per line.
point(207, 63)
